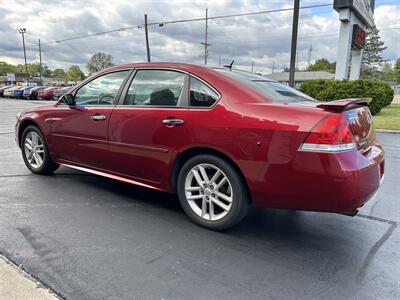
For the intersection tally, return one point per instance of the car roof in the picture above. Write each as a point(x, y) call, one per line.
point(173, 65)
point(188, 67)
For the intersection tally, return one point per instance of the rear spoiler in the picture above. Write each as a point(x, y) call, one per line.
point(344, 104)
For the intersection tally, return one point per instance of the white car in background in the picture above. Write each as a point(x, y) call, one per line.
point(10, 91)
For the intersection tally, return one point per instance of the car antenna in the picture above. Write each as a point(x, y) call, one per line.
point(230, 65)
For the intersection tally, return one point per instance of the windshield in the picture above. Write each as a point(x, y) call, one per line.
point(273, 90)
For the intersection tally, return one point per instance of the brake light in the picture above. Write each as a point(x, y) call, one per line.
point(331, 134)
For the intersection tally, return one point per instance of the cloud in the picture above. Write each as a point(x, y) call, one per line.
point(387, 19)
point(263, 39)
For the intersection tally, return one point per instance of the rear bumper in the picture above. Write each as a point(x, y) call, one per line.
point(340, 182)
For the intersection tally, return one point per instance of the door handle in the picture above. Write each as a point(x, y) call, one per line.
point(173, 121)
point(98, 117)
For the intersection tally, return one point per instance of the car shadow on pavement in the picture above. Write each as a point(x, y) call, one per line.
point(268, 223)
point(307, 251)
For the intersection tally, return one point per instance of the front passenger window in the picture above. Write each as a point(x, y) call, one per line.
point(102, 90)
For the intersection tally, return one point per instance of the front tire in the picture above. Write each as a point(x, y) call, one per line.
point(212, 193)
point(35, 152)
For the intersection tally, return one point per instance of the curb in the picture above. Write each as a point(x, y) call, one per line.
point(27, 281)
point(387, 131)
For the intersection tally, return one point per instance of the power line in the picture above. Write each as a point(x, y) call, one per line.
point(244, 14)
point(317, 34)
point(139, 26)
point(321, 34)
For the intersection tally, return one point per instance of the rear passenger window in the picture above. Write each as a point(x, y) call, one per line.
point(200, 94)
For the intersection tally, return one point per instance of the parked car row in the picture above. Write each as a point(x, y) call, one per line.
point(33, 92)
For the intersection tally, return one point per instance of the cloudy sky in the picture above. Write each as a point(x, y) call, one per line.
point(263, 39)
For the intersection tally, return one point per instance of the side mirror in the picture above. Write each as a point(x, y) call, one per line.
point(68, 99)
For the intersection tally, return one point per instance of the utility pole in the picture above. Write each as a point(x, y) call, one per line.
point(219, 60)
point(293, 49)
point(206, 44)
point(23, 31)
point(273, 67)
point(40, 63)
point(147, 38)
point(309, 55)
point(252, 66)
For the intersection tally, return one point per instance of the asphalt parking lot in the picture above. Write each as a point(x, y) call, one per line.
point(89, 237)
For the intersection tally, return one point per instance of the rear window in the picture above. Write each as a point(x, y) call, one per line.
point(273, 90)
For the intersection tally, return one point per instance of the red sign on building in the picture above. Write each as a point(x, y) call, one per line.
point(358, 37)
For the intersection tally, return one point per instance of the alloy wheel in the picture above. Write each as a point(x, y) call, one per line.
point(34, 149)
point(208, 192)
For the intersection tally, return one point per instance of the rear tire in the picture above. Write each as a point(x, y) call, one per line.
point(35, 152)
point(212, 193)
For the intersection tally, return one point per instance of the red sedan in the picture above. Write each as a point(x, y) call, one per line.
point(221, 139)
point(47, 93)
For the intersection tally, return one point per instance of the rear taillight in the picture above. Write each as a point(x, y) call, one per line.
point(331, 134)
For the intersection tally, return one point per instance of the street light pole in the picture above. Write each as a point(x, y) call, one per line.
point(23, 31)
point(40, 63)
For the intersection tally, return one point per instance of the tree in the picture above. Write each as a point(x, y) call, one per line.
point(388, 73)
point(322, 64)
point(397, 70)
point(46, 72)
point(33, 69)
point(98, 62)
point(6, 68)
point(58, 73)
point(74, 73)
point(372, 59)
point(287, 69)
